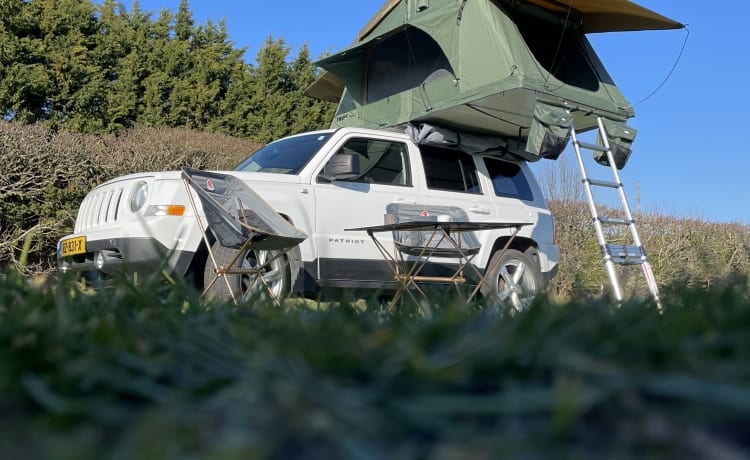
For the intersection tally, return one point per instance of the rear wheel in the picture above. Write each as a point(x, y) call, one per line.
point(245, 286)
point(515, 279)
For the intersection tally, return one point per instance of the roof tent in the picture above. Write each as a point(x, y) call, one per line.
point(481, 66)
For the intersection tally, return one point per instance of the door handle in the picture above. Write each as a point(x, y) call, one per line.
point(404, 201)
point(479, 210)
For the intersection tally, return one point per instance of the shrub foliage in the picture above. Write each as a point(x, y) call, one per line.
point(689, 251)
point(46, 174)
point(686, 251)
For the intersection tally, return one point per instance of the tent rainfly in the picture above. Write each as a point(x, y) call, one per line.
point(510, 70)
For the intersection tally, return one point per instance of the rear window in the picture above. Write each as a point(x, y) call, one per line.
point(508, 179)
point(452, 170)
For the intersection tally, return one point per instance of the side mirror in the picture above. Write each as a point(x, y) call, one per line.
point(342, 166)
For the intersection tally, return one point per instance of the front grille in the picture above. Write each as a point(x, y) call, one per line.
point(100, 207)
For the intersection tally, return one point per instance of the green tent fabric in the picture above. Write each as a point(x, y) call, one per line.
point(481, 66)
point(550, 131)
point(620, 138)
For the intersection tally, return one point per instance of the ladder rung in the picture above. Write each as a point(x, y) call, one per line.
point(625, 254)
point(626, 261)
point(611, 220)
point(595, 147)
point(604, 183)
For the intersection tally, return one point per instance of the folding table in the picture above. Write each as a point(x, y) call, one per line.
point(407, 271)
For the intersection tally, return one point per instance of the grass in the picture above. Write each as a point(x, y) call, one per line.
point(151, 373)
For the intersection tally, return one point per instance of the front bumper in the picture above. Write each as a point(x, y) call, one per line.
point(125, 255)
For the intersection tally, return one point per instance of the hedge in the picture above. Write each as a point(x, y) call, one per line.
point(46, 174)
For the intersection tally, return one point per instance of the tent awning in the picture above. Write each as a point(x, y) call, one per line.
point(611, 15)
point(343, 69)
point(326, 88)
point(598, 15)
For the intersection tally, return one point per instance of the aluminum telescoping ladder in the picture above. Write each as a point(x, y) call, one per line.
point(622, 254)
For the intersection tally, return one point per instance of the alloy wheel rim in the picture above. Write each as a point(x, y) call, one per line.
point(272, 275)
point(516, 284)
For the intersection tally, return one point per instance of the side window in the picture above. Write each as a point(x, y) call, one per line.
point(380, 161)
point(508, 179)
point(447, 169)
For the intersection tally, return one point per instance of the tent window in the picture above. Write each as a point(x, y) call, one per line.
point(558, 49)
point(404, 61)
point(451, 170)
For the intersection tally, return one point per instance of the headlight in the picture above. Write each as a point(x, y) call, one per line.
point(164, 210)
point(140, 193)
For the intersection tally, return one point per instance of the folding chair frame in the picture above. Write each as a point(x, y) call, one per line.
point(230, 269)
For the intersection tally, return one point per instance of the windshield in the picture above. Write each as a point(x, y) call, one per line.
point(285, 156)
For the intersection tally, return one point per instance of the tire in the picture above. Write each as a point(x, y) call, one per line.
point(276, 275)
point(515, 278)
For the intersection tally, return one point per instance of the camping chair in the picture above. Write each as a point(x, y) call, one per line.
point(240, 219)
point(438, 236)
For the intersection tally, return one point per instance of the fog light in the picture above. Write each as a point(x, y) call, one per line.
point(64, 266)
point(99, 260)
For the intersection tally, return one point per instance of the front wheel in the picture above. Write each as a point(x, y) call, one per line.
point(274, 276)
point(515, 279)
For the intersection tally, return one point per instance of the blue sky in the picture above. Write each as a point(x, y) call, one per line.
point(689, 158)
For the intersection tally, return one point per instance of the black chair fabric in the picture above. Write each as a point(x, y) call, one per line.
point(235, 213)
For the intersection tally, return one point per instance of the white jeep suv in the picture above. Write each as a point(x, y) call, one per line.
point(144, 222)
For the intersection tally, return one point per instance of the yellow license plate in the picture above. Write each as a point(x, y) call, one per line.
point(73, 246)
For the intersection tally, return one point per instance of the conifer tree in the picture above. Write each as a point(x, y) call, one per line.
point(25, 82)
point(116, 53)
point(94, 67)
point(68, 28)
point(308, 114)
point(271, 97)
point(157, 83)
point(183, 26)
